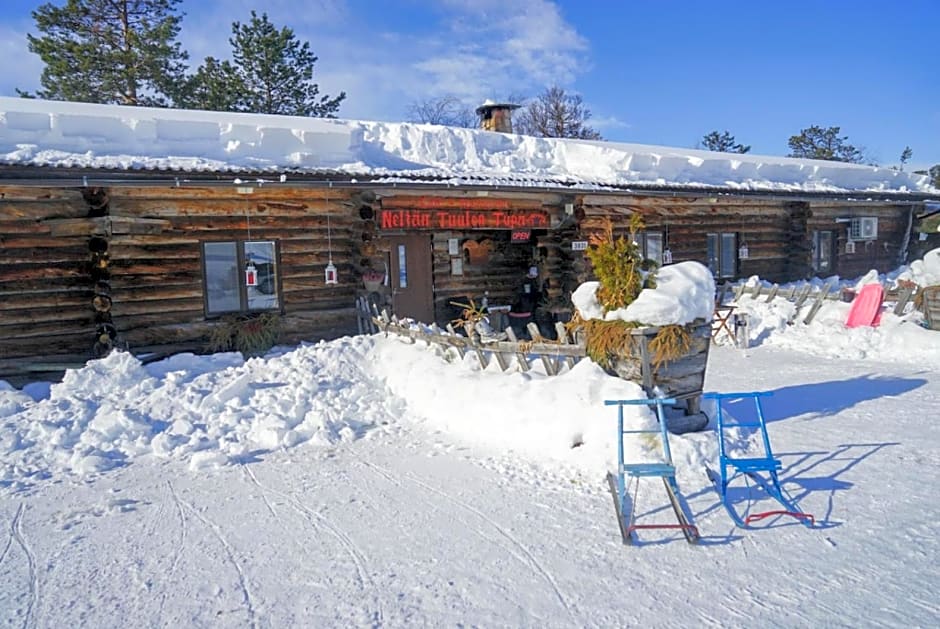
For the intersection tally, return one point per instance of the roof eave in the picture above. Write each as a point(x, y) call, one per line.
point(75, 177)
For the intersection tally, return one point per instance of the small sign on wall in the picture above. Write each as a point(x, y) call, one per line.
point(579, 245)
point(453, 246)
point(456, 266)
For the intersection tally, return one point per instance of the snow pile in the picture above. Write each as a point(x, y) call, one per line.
point(208, 410)
point(216, 410)
point(684, 292)
point(924, 272)
point(897, 338)
point(53, 133)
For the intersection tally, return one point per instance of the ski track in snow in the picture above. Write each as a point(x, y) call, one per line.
point(178, 552)
point(9, 543)
point(511, 549)
point(528, 559)
point(230, 554)
point(251, 476)
point(320, 521)
point(16, 533)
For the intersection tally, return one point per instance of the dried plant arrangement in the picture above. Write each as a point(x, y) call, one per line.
point(252, 335)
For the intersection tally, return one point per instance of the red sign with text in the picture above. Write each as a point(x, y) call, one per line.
point(419, 218)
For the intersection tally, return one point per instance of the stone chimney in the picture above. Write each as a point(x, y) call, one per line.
point(496, 116)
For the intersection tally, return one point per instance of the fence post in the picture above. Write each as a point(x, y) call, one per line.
point(818, 303)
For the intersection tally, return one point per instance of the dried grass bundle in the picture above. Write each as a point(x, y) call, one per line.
point(605, 340)
point(670, 343)
point(252, 335)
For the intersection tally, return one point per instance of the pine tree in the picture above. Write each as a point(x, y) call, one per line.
point(723, 143)
point(216, 86)
point(906, 155)
point(109, 51)
point(818, 143)
point(934, 173)
point(271, 73)
point(555, 114)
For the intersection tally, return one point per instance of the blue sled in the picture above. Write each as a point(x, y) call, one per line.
point(763, 470)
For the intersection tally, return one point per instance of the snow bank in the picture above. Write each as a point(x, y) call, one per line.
point(896, 339)
point(53, 133)
point(208, 410)
point(216, 410)
point(924, 272)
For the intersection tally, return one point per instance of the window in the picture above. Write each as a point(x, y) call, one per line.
point(822, 250)
point(722, 254)
point(225, 269)
point(651, 246)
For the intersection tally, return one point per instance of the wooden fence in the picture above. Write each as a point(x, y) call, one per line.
point(554, 355)
point(807, 293)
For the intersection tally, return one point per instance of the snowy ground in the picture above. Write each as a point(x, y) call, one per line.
point(368, 482)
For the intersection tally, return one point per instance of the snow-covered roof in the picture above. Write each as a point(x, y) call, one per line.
point(81, 135)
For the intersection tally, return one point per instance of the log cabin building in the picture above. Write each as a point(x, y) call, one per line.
point(144, 228)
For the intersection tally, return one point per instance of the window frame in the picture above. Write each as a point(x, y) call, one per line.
point(717, 260)
point(817, 250)
point(240, 259)
point(642, 240)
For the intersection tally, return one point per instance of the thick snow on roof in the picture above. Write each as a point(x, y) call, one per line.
point(81, 135)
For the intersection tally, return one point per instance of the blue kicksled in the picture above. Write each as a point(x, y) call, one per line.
point(665, 470)
point(761, 469)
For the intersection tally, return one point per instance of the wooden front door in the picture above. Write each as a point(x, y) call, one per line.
point(412, 289)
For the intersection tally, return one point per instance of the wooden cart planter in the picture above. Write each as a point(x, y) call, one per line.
point(683, 378)
point(931, 296)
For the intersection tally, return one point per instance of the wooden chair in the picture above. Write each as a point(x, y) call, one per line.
point(722, 320)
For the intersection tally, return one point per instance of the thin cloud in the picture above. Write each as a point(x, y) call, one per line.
point(513, 46)
point(608, 123)
point(23, 68)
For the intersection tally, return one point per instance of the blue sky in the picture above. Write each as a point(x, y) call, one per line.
point(664, 72)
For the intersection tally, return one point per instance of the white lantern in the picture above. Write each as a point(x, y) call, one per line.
point(331, 277)
point(743, 252)
point(667, 256)
point(251, 274)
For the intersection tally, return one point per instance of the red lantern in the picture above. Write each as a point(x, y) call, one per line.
point(251, 275)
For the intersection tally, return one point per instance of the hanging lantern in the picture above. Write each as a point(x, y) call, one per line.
point(251, 274)
point(850, 246)
point(330, 272)
point(743, 252)
point(667, 256)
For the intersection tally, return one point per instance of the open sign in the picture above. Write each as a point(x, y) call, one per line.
point(520, 235)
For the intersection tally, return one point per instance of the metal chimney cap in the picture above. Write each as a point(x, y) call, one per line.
point(490, 104)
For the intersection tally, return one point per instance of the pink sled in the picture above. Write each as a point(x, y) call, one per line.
point(866, 307)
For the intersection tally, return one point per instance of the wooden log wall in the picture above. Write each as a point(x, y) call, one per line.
point(501, 274)
point(798, 264)
point(764, 225)
point(46, 287)
point(883, 254)
point(82, 270)
point(156, 272)
point(502, 270)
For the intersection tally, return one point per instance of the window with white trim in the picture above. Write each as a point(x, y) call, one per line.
point(240, 276)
